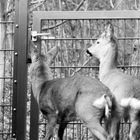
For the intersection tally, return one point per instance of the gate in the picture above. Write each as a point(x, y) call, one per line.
point(72, 32)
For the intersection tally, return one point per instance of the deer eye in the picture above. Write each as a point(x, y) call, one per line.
point(97, 42)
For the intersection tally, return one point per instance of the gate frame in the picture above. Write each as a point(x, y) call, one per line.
point(38, 16)
point(20, 70)
point(97, 15)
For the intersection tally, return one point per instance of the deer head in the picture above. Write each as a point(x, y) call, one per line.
point(103, 44)
point(41, 63)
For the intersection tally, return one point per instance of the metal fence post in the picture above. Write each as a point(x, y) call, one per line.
point(34, 115)
point(34, 119)
point(20, 71)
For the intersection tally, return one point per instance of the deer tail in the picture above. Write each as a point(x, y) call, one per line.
point(105, 102)
point(108, 106)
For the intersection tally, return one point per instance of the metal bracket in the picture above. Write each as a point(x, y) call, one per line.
point(35, 34)
point(12, 139)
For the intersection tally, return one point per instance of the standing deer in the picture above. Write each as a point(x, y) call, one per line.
point(125, 88)
point(63, 100)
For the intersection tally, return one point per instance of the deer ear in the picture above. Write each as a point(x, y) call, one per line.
point(34, 51)
point(51, 54)
point(109, 30)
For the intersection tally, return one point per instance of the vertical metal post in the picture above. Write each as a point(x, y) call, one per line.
point(20, 71)
point(34, 119)
point(34, 115)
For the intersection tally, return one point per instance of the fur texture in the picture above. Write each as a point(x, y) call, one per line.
point(63, 100)
point(125, 88)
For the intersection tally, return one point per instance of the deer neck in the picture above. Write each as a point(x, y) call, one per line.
point(38, 77)
point(107, 63)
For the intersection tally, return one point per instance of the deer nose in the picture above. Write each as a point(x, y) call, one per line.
point(88, 52)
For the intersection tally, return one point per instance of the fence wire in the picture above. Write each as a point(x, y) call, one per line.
point(6, 79)
point(73, 37)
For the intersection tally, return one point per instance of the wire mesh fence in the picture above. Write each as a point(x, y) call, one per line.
point(6, 79)
point(73, 37)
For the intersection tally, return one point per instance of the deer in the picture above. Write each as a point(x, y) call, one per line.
point(62, 100)
point(124, 87)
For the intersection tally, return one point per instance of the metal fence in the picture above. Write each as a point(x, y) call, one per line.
point(6, 80)
point(73, 33)
point(13, 71)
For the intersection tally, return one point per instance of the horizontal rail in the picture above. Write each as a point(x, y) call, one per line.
point(74, 123)
point(6, 50)
point(125, 66)
point(122, 38)
point(115, 14)
point(121, 66)
point(4, 105)
point(38, 16)
point(5, 22)
point(43, 123)
point(6, 77)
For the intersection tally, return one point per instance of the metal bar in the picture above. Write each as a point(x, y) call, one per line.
point(121, 66)
point(34, 117)
point(62, 15)
point(6, 22)
point(64, 122)
point(20, 71)
point(120, 38)
point(6, 77)
point(36, 23)
point(115, 14)
point(6, 50)
point(5, 105)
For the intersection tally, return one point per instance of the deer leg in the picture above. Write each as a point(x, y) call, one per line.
point(135, 124)
point(50, 127)
point(132, 133)
point(107, 124)
point(114, 128)
point(61, 129)
point(97, 130)
point(117, 136)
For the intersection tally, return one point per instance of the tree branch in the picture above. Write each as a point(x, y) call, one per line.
point(118, 3)
point(82, 66)
point(38, 5)
point(6, 14)
point(77, 8)
point(111, 3)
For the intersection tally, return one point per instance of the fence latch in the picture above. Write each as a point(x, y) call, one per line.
point(44, 36)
